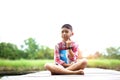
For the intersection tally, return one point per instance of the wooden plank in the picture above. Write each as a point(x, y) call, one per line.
point(90, 74)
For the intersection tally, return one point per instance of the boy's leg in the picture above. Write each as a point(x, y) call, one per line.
point(55, 69)
point(80, 64)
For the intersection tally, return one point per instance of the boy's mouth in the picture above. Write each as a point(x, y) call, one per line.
point(64, 36)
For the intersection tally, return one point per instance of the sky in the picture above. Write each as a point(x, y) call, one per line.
point(95, 22)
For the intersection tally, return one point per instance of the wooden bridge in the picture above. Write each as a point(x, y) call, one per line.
point(90, 74)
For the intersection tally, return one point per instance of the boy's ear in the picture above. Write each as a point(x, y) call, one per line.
point(72, 33)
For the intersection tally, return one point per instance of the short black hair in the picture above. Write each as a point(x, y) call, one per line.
point(68, 26)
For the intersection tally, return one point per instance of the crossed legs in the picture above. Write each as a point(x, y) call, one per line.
point(76, 68)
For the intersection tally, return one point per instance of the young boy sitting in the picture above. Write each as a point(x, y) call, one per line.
point(67, 55)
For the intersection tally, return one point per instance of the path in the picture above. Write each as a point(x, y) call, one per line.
point(90, 74)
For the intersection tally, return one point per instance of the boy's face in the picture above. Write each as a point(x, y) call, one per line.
point(66, 33)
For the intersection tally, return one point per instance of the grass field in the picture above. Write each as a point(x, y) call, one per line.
point(104, 63)
point(22, 65)
point(37, 65)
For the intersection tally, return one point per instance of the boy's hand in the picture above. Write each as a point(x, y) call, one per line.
point(68, 43)
point(66, 65)
point(69, 47)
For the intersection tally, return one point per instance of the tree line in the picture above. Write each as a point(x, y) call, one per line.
point(112, 53)
point(29, 50)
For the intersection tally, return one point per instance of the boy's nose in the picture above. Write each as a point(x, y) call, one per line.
point(64, 33)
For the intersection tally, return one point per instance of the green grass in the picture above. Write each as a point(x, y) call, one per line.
point(37, 65)
point(22, 65)
point(104, 63)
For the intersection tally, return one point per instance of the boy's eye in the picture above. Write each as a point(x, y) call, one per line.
point(64, 31)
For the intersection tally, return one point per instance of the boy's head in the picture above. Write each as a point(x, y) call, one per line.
point(68, 26)
point(66, 32)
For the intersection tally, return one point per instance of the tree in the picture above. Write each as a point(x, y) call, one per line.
point(48, 53)
point(113, 52)
point(9, 51)
point(30, 50)
point(45, 53)
point(31, 47)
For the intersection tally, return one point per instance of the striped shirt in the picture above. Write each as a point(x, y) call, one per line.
point(62, 46)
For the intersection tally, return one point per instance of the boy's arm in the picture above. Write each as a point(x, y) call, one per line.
point(80, 56)
point(69, 45)
point(72, 49)
point(57, 56)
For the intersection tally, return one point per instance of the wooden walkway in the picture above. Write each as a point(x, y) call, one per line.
point(90, 74)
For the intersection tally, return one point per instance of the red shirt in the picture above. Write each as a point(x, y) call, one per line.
point(62, 46)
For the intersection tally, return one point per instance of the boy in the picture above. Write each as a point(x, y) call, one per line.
point(67, 56)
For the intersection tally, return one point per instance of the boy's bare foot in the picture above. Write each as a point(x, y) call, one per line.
point(80, 72)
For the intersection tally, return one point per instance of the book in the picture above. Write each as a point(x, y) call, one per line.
point(64, 56)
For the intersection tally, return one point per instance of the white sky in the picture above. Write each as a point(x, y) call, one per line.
point(95, 22)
